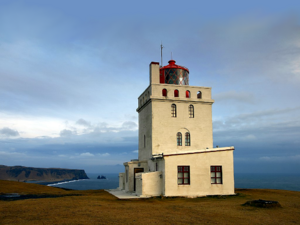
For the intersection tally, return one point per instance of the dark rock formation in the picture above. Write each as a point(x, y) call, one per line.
point(263, 204)
point(21, 173)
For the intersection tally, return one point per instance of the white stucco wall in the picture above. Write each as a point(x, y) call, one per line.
point(149, 184)
point(160, 128)
point(200, 179)
point(130, 166)
point(145, 129)
point(129, 178)
point(165, 127)
point(121, 181)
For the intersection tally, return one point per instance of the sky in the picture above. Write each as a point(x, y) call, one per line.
point(71, 72)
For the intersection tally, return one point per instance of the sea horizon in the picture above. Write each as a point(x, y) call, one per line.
point(278, 181)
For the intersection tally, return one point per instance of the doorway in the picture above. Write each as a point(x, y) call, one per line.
point(137, 170)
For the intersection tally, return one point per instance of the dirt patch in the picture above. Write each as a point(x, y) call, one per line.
point(263, 204)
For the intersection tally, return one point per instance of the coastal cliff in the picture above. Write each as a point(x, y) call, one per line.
point(21, 173)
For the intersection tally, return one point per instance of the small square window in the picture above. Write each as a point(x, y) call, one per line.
point(183, 175)
point(216, 174)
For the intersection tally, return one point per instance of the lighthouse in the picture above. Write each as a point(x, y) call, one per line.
point(176, 155)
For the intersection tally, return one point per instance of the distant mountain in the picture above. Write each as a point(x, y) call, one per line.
point(22, 173)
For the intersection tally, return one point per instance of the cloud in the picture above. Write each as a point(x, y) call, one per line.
point(280, 158)
point(135, 151)
point(67, 133)
point(249, 137)
point(7, 132)
point(83, 122)
point(255, 49)
point(258, 119)
point(251, 62)
point(129, 125)
point(104, 154)
point(5, 154)
point(240, 97)
point(86, 154)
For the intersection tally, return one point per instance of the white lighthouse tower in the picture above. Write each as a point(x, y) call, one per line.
point(176, 154)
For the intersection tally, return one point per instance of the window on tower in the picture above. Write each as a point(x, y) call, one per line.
point(183, 175)
point(179, 139)
point(199, 94)
point(187, 139)
point(176, 93)
point(187, 94)
point(164, 92)
point(191, 111)
point(173, 110)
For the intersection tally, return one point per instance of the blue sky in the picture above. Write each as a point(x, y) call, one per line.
point(71, 72)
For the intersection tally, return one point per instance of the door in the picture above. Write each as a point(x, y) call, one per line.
point(137, 170)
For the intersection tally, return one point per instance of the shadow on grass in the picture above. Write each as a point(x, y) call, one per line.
point(16, 196)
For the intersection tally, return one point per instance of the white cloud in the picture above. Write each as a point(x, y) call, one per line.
point(135, 151)
point(240, 97)
point(86, 154)
point(104, 154)
point(280, 158)
point(32, 126)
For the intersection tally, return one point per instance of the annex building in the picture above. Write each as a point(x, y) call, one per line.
point(176, 153)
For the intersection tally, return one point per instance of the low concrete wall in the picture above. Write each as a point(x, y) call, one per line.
point(139, 184)
point(149, 184)
point(121, 181)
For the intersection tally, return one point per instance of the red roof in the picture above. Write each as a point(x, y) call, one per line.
point(172, 65)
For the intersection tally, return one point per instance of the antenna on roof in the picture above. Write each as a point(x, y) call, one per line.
point(171, 56)
point(161, 58)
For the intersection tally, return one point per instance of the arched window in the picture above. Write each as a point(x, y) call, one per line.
point(176, 93)
point(164, 92)
point(191, 111)
point(187, 94)
point(173, 110)
point(187, 139)
point(199, 94)
point(179, 139)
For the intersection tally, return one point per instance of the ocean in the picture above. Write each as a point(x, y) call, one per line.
point(260, 181)
point(111, 182)
point(268, 181)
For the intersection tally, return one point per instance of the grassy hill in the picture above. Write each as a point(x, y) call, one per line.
point(58, 206)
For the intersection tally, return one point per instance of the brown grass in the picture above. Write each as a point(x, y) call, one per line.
point(99, 207)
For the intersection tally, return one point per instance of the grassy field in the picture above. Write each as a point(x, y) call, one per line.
point(51, 205)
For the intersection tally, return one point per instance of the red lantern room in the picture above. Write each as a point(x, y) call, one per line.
point(174, 74)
